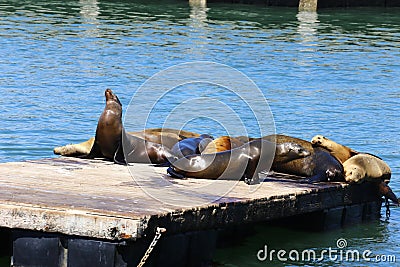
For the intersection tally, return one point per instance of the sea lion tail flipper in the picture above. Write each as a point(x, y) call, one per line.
point(174, 174)
point(387, 192)
point(119, 157)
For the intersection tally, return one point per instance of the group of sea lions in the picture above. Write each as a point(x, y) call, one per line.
point(189, 154)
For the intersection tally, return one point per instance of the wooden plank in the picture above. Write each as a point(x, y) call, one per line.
point(100, 199)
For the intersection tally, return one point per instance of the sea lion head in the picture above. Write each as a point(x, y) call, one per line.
point(354, 173)
point(321, 141)
point(291, 151)
point(112, 99)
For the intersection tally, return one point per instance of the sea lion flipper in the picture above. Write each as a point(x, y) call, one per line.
point(95, 152)
point(119, 157)
point(387, 192)
point(173, 173)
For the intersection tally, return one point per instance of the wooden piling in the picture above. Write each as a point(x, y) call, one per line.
point(308, 5)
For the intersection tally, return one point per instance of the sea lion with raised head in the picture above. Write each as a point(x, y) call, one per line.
point(114, 143)
point(341, 152)
point(109, 128)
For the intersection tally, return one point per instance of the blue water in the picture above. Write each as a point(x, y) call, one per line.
point(335, 72)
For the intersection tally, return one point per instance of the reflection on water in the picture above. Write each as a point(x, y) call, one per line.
point(89, 9)
point(335, 72)
point(198, 28)
point(198, 12)
point(307, 28)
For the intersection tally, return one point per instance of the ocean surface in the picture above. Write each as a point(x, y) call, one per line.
point(335, 73)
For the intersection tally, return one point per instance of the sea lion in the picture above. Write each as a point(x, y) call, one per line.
point(75, 150)
point(133, 149)
point(111, 138)
point(245, 161)
point(365, 167)
point(190, 146)
point(318, 166)
point(109, 128)
point(286, 152)
point(341, 152)
point(165, 136)
point(222, 143)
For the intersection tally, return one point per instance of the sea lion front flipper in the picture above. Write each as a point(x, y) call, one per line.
point(174, 174)
point(119, 157)
point(387, 192)
point(95, 152)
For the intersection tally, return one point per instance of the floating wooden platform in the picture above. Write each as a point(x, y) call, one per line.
point(99, 200)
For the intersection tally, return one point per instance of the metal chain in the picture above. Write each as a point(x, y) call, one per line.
point(387, 205)
point(153, 243)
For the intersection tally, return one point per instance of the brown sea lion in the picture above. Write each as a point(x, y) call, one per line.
point(109, 128)
point(167, 137)
point(74, 150)
point(133, 149)
point(359, 168)
point(113, 142)
point(319, 166)
point(365, 167)
point(222, 143)
point(341, 152)
point(245, 161)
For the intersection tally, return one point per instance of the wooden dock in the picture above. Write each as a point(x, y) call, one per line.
point(309, 5)
point(74, 200)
